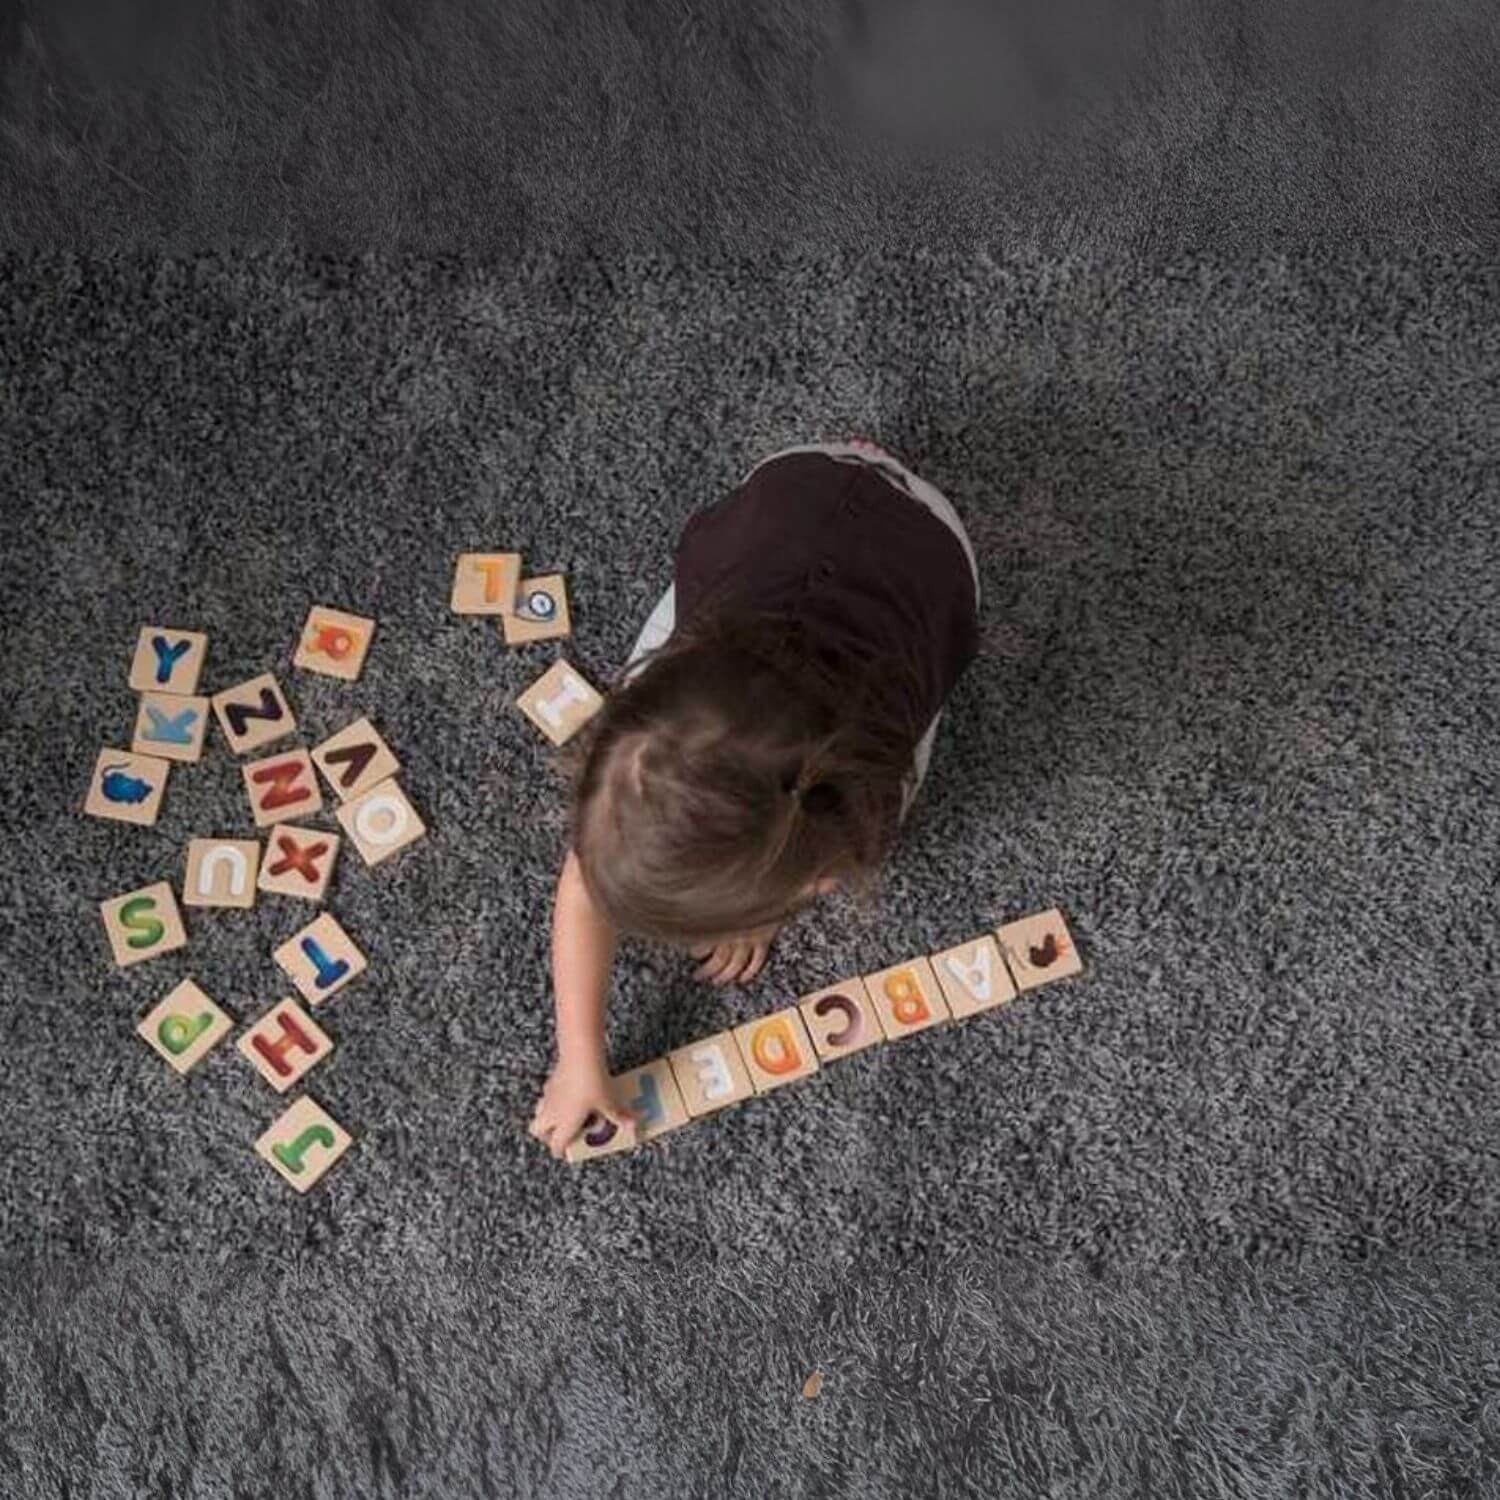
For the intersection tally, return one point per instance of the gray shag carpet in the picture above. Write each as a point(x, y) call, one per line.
point(744, 126)
point(1218, 1218)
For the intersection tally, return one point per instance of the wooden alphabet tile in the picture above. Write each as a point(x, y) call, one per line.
point(167, 660)
point(973, 977)
point(560, 702)
point(143, 924)
point(298, 862)
point(253, 713)
point(1039, 949)
point(334, 643)
point(541, 612)
point(170, 727)
point(381, 821)
point(320, 959)
point(184, 1027)
point(842, 1019)
point(281, 787)
point(907, 997)
point(355, 759)
point(284, 1044)
point(127, 787)
point(776, 1049)
point(304, 1143)
point(711, 1073)
point(484, 583)
point(220, 872)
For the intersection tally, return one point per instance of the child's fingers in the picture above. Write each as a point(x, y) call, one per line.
point(713, 965)
point(757, 962)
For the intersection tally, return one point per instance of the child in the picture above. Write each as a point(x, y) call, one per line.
point(772, 725)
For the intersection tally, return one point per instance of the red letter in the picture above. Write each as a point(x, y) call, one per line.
point(292, 1035)
point(283, 776)
point(303, 858)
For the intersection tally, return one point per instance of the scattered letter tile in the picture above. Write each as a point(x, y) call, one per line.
point(304, 1143)
point(142, 924)
point(282, 786)
point(185, 1026)
point(127, 787)
point(560, 702)
point(334, 643)
point(320, 959)
point(541, 611)
point(284, 1044)
point(253, 714)
point(484, 583)
point(354, 760)
point(167, 661)
point(170, 727)
point(1039, 949)
point(381, 821)
point(298, 862)
point(220, 872)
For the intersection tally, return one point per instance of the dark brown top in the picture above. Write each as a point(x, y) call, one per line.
point(840, 547)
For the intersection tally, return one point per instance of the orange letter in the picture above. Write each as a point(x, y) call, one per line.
point(774, 1047)
point(908, 1003)
point(494, 570)
point(336, 641)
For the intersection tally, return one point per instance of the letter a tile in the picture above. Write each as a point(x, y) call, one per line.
point(303, 1144)
point(973, 977)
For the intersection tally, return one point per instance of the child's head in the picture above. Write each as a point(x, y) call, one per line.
point(735, 776)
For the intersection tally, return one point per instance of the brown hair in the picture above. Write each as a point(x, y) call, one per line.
point(739, 766)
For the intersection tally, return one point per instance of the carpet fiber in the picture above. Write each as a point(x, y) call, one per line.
point(1234, 712)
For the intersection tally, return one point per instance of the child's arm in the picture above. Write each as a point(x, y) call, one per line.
point(583, 951)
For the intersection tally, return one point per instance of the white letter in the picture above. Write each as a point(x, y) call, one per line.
point(975, 975)
point(714, 1078)
point(394, 811)
point(239, 870)
point(553, 709)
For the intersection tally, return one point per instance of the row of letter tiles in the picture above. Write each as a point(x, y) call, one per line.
point(729, 1066)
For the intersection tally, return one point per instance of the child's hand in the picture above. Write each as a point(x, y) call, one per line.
point(736, 960)
point(573, 1093)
